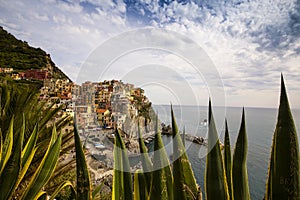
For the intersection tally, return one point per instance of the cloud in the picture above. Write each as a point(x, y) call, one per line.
point(249, 42)
point(65, 29)
point(249, 34)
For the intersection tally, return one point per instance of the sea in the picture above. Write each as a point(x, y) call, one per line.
point(260, 126)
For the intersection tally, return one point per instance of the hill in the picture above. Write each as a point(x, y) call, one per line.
point(17, 54)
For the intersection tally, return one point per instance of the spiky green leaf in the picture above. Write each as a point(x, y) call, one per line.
point(185, 186)
point(7, 146)
point(97, 190)
point(239, 164)
point(227, 160)
point(84, 191)
point(284, 172)
point(215, 177)
point(162, 179)
point(10, 173)
point(1, 146)
point(45, 169)
point(28, 149)
point(26, 166)
point(146, 161)
point(140, 186)
point(122, 183)
point(62, 186)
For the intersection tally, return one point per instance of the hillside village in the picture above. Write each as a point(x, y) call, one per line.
point(96, 104)
point(99, 107)
point(103, 105)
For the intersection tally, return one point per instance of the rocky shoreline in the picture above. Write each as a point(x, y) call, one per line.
point(100, 153)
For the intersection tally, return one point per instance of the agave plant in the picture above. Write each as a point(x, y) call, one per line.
point(122, 183)
point(140, 186)
point(162, 178)
point(283, 180)
point(239, 165)
point(185, 186)
point(215, 177)
point(224, 179)
point(146, 161)
point(227, 161)
point(15, 162)
point(20, 102)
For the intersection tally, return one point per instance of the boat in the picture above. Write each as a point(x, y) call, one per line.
point(99, 146)
point(203, 123)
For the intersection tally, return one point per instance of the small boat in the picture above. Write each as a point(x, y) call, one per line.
point(99, 146)
point(204, 122)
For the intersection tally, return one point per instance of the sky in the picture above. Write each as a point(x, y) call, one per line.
point(180, 51)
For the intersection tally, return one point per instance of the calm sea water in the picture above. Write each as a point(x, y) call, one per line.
point(260, 126)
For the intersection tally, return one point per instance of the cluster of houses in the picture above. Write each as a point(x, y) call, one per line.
point(36, 74)
point(107, 104)
point(104, 105)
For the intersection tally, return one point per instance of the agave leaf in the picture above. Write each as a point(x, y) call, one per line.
point(227, 160)
point(97, 190)
point(162, 179)
point(122, 183)
point(63, 122)
point(62, 186)
point(83, 176)
point(140, 186)
point(42, 145)
point(146, 161)
point(54, 135)
point(64, 168)
point(239, 166)
point(284, 172)
point(45, 169)
point(26, 166)
point(27, 151)
point(42, 195)
point(185, 186)
point(1, 146)
point(5, 100)
point(7, 146)
point(215, 177)
point(50, 113)
point(10, 173)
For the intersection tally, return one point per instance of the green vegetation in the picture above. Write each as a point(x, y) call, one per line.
point(284, 169)
point(185, 186)
point(31, 145)
point(215, 176)
point(146, 161)
point(140, 186)
point(34, 120)
point(227, 161)
point(158, 179)
point(15, 162)
point(239, 165)
point(162, 179)
point(20, 56)
point(122, 186)
point(224, 179)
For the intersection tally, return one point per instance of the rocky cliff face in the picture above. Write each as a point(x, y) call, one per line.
point(146, 126)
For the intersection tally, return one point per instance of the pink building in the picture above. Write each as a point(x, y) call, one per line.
point(37, 74)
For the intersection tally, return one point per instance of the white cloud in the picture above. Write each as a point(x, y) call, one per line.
point(250, 43)
point(236, 41)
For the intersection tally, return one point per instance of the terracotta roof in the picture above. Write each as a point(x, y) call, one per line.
point(101, 110)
